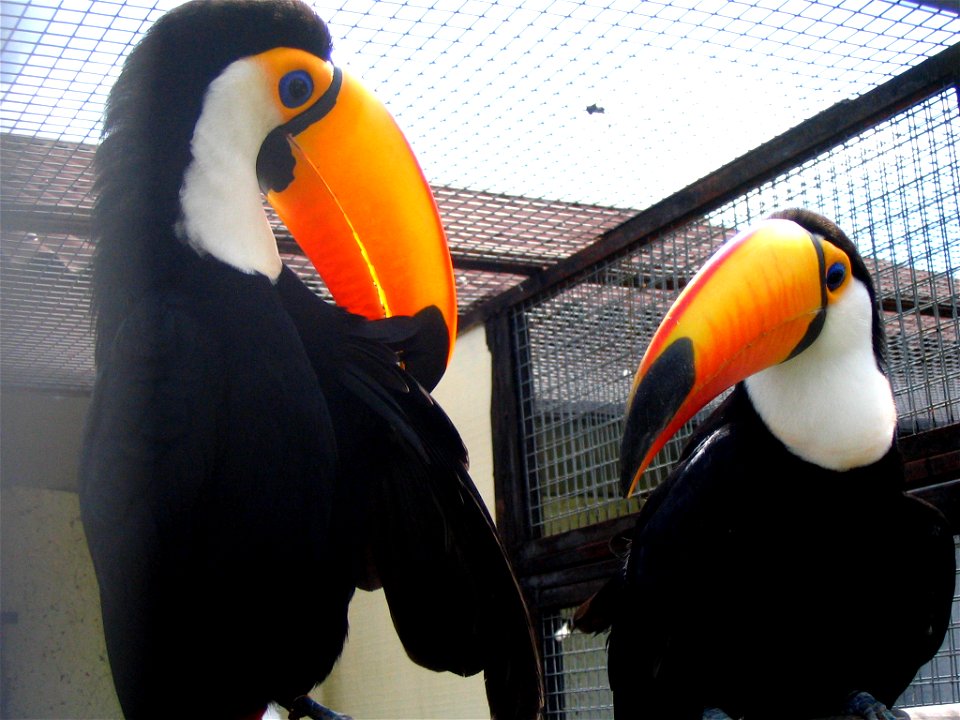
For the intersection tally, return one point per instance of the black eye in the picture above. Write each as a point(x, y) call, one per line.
point(836, 274)
point(296, 88)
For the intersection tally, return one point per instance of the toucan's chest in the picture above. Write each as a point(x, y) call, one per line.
point(772, 498)
point(783, 554)
point(765, 516)
point(270, 424)
point(245, 324)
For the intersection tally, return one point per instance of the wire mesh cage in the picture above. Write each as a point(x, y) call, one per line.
point(541, 126)
point(938, 682)
point(583, 344)
point(556, 99)
point(895, 189)
point(575, 670)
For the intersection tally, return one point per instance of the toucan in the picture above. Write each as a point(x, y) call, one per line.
point(780, 571)
point(254, 453)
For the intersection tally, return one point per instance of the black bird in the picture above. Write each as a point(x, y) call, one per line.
point(252, 454)
point(781, 570)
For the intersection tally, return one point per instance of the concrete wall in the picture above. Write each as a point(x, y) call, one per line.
point(53, 660)
point(52, 655)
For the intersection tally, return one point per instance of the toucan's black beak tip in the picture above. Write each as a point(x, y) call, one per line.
point(421, 342)
point(655, 401)
point(425, 356)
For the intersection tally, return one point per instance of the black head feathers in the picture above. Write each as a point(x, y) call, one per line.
point(149, 123)
point(819, 225)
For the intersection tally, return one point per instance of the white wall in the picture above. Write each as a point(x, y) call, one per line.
point(53, 660)
point(53, 657)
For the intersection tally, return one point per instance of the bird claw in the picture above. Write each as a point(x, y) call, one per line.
point(715, 714)
point(861, 705)
point(305, 707)
point(866, 706)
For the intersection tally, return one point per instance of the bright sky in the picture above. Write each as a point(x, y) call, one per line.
point(494, 95)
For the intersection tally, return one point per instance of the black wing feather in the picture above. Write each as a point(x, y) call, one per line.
point(421, 529)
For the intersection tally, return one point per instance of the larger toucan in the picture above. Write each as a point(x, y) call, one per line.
point(780, 570)
point(252, 453)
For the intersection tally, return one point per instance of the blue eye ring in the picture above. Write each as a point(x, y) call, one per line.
point(296, 88)
point(836, 274)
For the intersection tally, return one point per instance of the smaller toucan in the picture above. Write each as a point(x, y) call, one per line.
point(780, 571)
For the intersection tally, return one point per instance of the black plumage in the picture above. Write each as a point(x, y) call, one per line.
point(208, 488)
point(151, 113)
point(252, 454)
point(769, 586)
point(419, 527)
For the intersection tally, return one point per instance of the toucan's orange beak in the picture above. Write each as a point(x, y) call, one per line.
point(758, 301)
point(358, 203)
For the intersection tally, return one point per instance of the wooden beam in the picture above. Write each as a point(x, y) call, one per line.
point(946, 498)
point(582, 546)
point(563, 570)
point(504, 265)
point(53, 219)
point(894, 304)
point(510, 496)
point(932, 457)
point(948, 5)
point(46, 219)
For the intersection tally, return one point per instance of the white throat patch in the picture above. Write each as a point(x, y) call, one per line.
point(222, 210)
point(831, 405)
